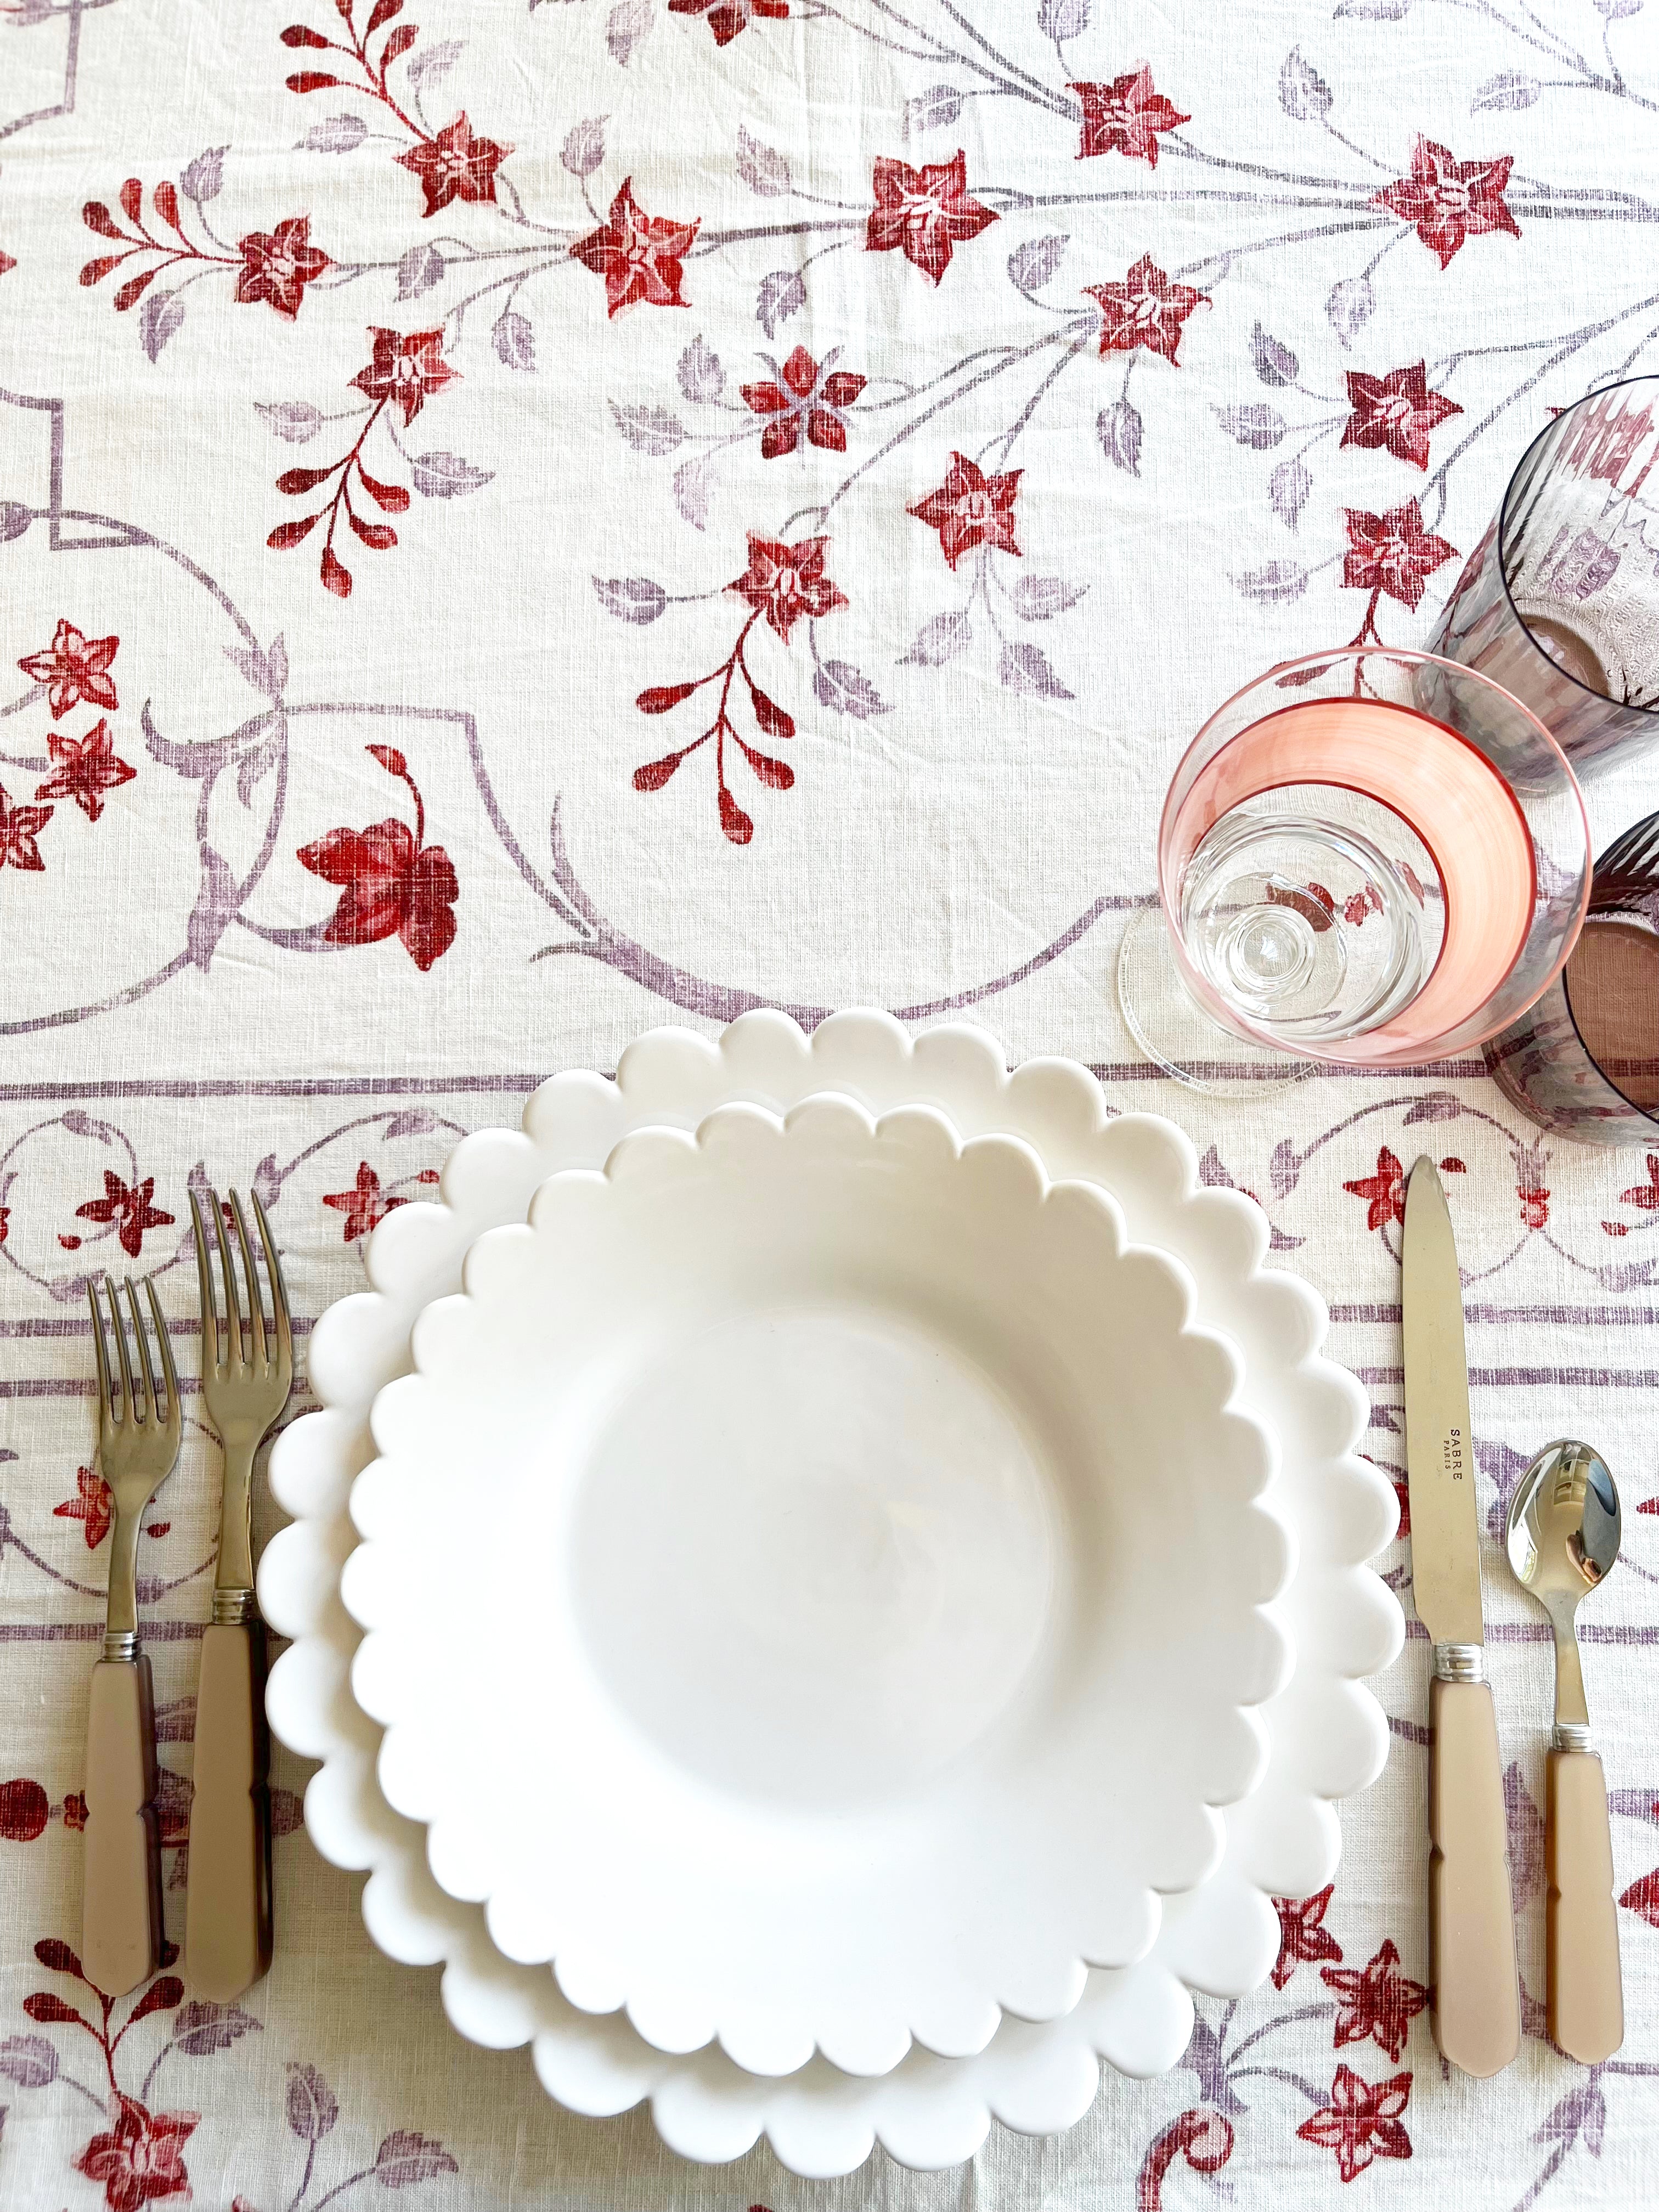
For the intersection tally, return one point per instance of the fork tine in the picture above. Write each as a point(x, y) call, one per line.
point(100, 1353)
point(278, 1288)
point(233, 1303)
point(256, 1305)
point(205, 1281)
point(129, 1411)
point(152, 1413)
point(175, 1419)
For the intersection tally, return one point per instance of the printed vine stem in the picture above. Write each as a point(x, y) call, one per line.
point(770, 718)
point(379, 536)
point(397, 42)
point(98, 219)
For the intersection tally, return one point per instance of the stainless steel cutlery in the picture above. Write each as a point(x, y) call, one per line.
point(247, 1370)
point(138, 1436)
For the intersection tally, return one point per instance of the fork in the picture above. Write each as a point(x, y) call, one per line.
point(245, 1386)
point(137, 1447)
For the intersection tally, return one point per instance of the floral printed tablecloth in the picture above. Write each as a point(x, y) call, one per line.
point(521, 523)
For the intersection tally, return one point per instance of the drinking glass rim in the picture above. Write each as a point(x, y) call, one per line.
point(1318, 662)
point(1578, 682)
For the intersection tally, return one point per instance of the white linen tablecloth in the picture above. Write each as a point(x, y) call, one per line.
point(1033, 372)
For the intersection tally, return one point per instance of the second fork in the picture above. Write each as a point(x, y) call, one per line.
point(245, 1385)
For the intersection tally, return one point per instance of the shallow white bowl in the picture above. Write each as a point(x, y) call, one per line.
point(815, 1586)
point(1328, 1736)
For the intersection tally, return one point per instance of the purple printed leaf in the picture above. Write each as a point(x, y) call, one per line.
point(297, 420)
point(702, 379)
point(781, 295)
point(936, 109)
point(630, 599)
point(626, 25)
point(1635, 1804)
point(693, 482)
point(215, 910)
point(1031, 265)
point(1274, 582)
point(649, 430)
point(162, 314)
point(762, 168)
point(175, 1722)
point(1060, 20)
point(419, 269)
point(203, 2028)
point(1616, 10)
point(514, 340)
point(435, 61)
point(406, 2158)
point(15, 519)
point(1273, 362)
point(1350, 306)
point(1432, 1106)
point(1302, 92)
point(445, 475)
point(1509, 88)
point(288, 1810)
point(414, 1121)
point(1374, 11)
point(1257, 425)
point(337, 135)
point(1118, 428)
point(1027, 668)
point(253, 768)
point(29, 2060)
point(204, 178)
point(1212, 1171)
point(1288, 488)
point(1039, 598)
point(1283, 1168)
point(313, 2107)
point(938, 641)
point(847, 690)
point(583, 150)
point(267, 1182)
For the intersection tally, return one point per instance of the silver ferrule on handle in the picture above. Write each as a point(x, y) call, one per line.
point(1460, 1662)
point(232, 1608)
point(121, 1645)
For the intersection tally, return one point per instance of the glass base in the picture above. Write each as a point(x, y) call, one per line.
point(1175, 1032)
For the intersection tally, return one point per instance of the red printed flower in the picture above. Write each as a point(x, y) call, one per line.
point(1148, 308)
point(1383, 1192)
point(1378, 2001)
point(1393, 552)
point(1361, 2121)
point(925, 213)
point(20, 828)
point(454, 165)
point(10, 260)
point(278, 265)
point(1645, 1194)
point(84, 768)
point(131, 1208)
point(728, 17)
point(805, 393)
point(74, 1809)
point(363, 1205)
point(92, 1505)
point(139, 2160)
point(970, 508)
point(73, 668)
point(1447, 201)
point(1397, 410)
point(1302, 1935)
point(1125, 117)
point(1534, 1205)
point(392, 881)
point(406, 369)
point(1642, 1894)
point(640, 256)
point(784, 582)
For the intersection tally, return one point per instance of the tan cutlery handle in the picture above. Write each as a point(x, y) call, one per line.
point(227, 1910)
point(121, 1917)
point(1471, 1914)
point(1587, 2003)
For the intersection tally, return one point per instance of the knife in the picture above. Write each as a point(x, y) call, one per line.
point(1471, 1914)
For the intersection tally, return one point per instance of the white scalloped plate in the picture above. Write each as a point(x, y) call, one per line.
point(815, 1586)
point(1328, 1738)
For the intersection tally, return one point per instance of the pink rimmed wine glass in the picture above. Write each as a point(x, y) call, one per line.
point(1367, 858)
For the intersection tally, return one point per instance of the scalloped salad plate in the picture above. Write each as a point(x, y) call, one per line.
point(1324, 1733)
point(815, 1586)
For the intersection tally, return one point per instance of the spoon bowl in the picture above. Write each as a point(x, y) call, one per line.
point(1563, 1526)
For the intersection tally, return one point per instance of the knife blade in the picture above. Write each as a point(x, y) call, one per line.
point(1471, 1916)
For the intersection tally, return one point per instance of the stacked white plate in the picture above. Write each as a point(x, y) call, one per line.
point(830, 1589)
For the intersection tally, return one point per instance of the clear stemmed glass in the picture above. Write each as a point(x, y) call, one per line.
point(1559, 601)
point(1367, 857)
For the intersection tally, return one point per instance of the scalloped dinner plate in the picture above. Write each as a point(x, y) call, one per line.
point(1327, 1736)
point(815, 1586)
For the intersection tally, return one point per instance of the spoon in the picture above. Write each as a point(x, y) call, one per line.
point(1562, 1539)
